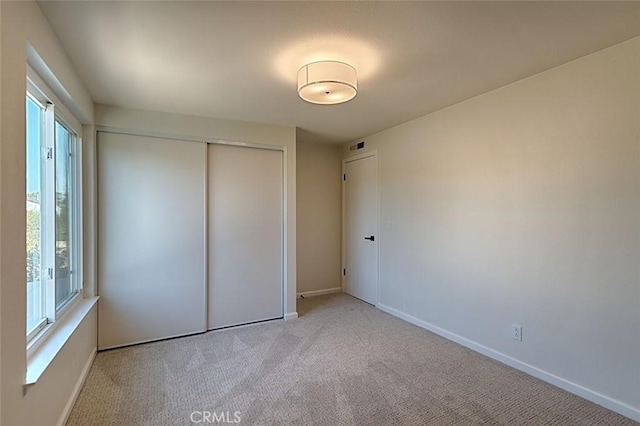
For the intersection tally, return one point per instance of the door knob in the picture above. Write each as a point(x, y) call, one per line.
point(371, 238)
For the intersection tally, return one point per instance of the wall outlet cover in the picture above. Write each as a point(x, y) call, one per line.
point(516, 332)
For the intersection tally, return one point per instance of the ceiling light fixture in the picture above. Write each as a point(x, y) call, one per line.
point(327, 82)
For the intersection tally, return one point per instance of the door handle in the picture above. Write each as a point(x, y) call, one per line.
point(371, 238)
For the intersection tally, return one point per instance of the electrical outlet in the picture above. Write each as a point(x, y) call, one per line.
point(516, 332)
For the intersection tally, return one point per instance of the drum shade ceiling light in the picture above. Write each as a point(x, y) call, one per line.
point(327, 82)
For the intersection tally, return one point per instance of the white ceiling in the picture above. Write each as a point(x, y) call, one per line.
point(238, 60)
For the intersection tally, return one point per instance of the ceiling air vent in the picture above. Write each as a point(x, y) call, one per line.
point(357, 146)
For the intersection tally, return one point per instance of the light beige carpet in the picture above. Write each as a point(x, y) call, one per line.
point(343, 362)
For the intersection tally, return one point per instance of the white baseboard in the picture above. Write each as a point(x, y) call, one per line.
point(588, 394)
point(77, 388)
point(320, 292)
point(290, 316)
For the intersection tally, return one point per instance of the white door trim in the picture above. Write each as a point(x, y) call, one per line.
point(349, 159)
point(186, 138)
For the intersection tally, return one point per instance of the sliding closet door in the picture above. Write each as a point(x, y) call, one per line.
point(245, 235)
point(152, 229)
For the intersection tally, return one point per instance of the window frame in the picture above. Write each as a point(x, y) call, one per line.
point(33, 96)
point(75, 210)
point(54, 110)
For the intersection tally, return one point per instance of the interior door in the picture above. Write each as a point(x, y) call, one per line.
point(151, 239)
point(245, 187)
point(360, 188)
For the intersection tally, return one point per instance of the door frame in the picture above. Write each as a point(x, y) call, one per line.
point(345, 160)
point(285, 247)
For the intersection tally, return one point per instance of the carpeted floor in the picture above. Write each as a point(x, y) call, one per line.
point(343, 362)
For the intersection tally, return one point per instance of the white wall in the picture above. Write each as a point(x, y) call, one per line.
point(522, 206)
point(319, 216)
point(44, 403)
point(89, 210)
point(206, 128)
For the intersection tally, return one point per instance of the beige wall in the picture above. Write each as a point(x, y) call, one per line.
point(522, 206)
point(45, 402)
point(319, 216)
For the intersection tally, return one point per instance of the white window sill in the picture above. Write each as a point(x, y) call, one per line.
point(46, 351)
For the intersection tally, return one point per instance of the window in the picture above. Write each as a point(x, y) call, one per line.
point(36, 316)
point(53, 219)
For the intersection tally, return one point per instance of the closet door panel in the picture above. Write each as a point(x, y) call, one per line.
point(152, 245)
point(245, 187)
